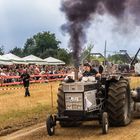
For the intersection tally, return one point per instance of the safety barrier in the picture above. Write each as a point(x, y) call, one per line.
point(16, 80)
point(18, 87)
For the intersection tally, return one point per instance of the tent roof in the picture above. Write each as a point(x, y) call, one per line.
point(54, 61)
point(32, 58)
point(5, 61)
point(13, 59)
point(11, 56)
point(2, 58)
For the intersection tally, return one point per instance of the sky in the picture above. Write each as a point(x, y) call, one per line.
point(21, 19)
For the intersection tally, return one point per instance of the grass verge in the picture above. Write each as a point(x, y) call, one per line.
point(18, 112)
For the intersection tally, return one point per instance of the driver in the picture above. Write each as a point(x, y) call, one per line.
point(89, 71)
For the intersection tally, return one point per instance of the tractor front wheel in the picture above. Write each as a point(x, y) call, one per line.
point(105, 123)
point(50, 125)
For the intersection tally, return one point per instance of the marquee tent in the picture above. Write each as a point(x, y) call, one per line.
point(54, 61)
point(31, 59)
point(13, 58)
point(4, 61)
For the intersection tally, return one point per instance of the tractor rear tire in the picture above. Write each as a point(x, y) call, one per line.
point(60, 101)
point(119, 103)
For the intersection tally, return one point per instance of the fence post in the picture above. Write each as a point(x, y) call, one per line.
point(51, 96)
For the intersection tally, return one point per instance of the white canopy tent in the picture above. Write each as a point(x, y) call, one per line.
point(4, 61)
point(9, 59)
point(54, 61)
point(31, 59)
point(13, 58)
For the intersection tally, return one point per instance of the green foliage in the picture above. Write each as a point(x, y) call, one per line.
point(63, 55)
point(29, 46)
point(43, 45)
point(86, 54)
point(17, 51)
point(2, 50)
point(99, 58)
point(117, 59)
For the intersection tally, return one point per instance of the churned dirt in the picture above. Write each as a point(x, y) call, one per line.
point(87, 131)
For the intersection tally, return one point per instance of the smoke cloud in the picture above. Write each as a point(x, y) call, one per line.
point(80, 14)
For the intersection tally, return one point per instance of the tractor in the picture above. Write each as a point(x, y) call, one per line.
point(107, 99)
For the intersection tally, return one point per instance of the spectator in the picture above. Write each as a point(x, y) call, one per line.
point(26, 78)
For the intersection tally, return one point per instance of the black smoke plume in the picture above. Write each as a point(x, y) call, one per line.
point(80, 13)
point(115, 7)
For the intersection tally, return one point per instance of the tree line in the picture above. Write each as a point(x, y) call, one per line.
point(43, 45)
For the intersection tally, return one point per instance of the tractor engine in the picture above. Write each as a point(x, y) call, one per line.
point(79, 101)
point(80, 96)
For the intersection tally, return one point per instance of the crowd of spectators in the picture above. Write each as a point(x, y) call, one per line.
point(34, 70)
point(43, 72)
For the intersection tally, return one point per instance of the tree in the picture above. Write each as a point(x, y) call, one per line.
point(86, 54)
point(43, 44)
point(118, 59)
point(17, 51)
point(29, 46)
point(63, 55)
point(2, 50)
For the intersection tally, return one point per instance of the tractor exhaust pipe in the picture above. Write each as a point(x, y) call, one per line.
point(76, 73)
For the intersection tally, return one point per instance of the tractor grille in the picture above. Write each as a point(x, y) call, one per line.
point(73, 88)
point(90, 87)
point(79, 87)
point(74, 101)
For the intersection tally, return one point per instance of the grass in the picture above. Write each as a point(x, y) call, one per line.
point(134, 82)
point(15, 108)
point(15, 100)
point(24, 113)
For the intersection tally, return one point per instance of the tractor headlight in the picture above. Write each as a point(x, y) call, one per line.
point(74, 101)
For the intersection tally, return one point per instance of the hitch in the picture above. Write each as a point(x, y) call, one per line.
point(135, 93)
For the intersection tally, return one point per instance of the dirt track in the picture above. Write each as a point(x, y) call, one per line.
point(87, 131)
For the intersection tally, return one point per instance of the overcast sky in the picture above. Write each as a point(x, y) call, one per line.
point(21, 19)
